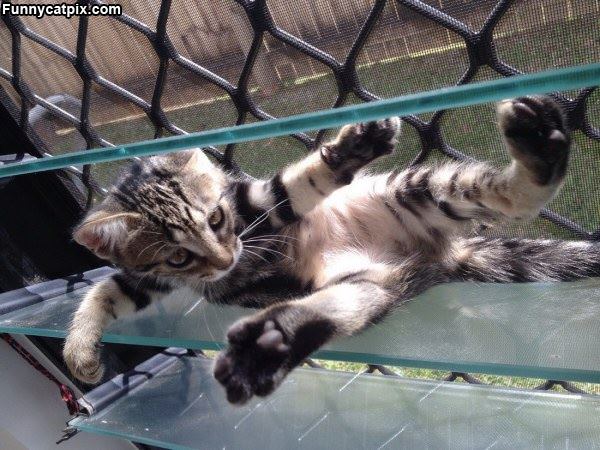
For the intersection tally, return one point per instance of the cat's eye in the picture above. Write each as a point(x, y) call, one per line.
point(216, 219)
point(180, 258)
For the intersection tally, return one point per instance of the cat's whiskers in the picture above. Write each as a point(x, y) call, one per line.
point(147, 247)
point(204, 318)
point(151, 232)
point(260, 219)
point(211, 293)
point(254, 224)
point(269, 250)
point(283, 236)
point(266, 240)
point(157, 251)
point(140, 281)
point(255, 254)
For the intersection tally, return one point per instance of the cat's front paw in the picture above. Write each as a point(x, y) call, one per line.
point(357, 145)
point(256, 361)
point(536, 129)
point(83, 360)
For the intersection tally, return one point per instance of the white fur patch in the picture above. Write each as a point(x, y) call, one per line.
point(260, 196)
point(199, 161)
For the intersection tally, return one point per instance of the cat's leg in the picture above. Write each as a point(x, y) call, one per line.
point(443, 198)
point(298, 188)
point(522, 260)
point(265, 347)
point(110, 299)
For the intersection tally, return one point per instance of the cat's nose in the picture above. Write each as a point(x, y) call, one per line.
point(221, 262)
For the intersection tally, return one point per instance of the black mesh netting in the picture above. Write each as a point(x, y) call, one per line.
point(175, 67)
point(165, 69)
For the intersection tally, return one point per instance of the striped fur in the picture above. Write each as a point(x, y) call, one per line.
point(325, 249)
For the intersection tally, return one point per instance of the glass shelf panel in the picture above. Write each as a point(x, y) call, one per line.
point(541, 330)
point(184, 407)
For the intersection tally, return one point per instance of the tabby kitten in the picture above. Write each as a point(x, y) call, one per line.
point(340, 249)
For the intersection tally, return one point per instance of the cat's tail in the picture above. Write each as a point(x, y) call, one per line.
point(520, 260)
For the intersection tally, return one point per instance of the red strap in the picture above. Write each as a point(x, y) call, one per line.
point(65, 392)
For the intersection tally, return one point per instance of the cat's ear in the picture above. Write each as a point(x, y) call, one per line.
point(198, 161)
point(102, 231)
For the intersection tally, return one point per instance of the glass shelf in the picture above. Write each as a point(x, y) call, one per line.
point(183, 407)
point(541, 330)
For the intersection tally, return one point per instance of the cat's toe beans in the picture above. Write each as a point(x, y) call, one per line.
point(535, 102)
point(237, 332)
point(523, 111)
point(230, 370)
point(223, 368)
point(391, 125)
point(533, 120)
point(255, 360)
point(264, 386)
point(558, 140)
point(327, 154)
point(243, 331)
point(238, 392)
point(271, 341)
point(558, 137)
point(516, 115)
point(557, 146)
point(383, 130)
point(379, 137)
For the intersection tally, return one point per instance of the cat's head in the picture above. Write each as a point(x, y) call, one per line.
point(169, 216)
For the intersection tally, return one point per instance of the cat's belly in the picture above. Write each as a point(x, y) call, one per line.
point(352, 230)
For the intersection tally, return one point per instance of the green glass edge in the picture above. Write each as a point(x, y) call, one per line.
point(470, 94)
point(503, 369)
point(82, 425)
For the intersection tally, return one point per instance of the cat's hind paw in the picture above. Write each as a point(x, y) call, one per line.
point(255, 362)
point(83, 361)
point(537, 133)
